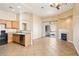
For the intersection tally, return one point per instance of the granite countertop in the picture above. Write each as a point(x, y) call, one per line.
point(22, 33)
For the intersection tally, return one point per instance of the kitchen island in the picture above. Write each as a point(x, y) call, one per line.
point(20, 38)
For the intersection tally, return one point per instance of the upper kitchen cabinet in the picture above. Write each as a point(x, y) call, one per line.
point(15, 25)
point(9, 19)
point(6, 22)
point(2, 21)
point(9, 24)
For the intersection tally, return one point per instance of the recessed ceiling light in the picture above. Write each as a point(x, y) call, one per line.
point(11, 7)
point(42, 7)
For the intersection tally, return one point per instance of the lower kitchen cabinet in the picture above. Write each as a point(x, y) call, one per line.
point(16, 38)
point(24, 40)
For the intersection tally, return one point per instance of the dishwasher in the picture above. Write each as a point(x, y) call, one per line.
point(22, 40)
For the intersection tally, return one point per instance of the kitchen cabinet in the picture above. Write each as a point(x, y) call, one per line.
point(19, 39)
point(15, 25)
point(24, 40)
point(9, 24)
point(16, 38)
point(2, 21)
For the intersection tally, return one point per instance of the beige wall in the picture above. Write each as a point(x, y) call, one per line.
point(37, 27)
point(25, 18)
point(66, 25)
point(76, 27)
point(64, 22)
point(60, 16)
point(33, 24)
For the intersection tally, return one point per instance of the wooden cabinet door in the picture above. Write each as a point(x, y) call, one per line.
point(16, 38)
point(15, 25)
point(9, 25)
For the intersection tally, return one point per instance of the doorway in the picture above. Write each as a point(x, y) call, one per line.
point(47, 30)
point(50, 29)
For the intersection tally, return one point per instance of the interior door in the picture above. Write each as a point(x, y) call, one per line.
point(47, 30)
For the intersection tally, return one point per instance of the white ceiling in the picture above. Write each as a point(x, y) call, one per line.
point(23, 8)
point(35, 8)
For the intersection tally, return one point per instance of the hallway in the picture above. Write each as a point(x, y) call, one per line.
point(41, 47)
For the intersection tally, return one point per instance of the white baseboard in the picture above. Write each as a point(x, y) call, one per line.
point(76, 49)
point(70, 41)
point(38, 38)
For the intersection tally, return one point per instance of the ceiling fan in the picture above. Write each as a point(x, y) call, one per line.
point(57, 5)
